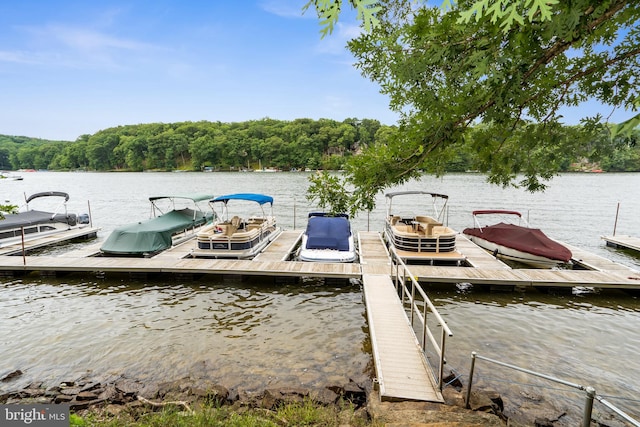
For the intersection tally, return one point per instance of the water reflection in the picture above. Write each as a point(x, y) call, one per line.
point(590, 340)
point(250, 334)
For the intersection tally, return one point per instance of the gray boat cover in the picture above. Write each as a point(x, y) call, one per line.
point(30, 218)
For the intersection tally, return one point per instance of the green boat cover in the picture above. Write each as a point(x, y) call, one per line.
point(153, 235)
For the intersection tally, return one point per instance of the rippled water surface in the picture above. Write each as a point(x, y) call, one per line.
point(251, 333)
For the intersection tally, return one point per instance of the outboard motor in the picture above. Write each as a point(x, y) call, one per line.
point(83, 218)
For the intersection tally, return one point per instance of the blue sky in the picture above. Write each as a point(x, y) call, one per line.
point(73, 67)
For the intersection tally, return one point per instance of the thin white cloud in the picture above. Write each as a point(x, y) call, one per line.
point(336, 43)
point(76, 47)
point(17, 57)
point(85, 39)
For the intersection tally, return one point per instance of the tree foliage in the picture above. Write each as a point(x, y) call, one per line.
point(297, 144)
point(495, 74)
point(329, 11)
point(329, 193)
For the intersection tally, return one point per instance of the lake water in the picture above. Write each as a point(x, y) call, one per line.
point(252, 334)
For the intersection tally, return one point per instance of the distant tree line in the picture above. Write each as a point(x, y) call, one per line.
point(298, 144)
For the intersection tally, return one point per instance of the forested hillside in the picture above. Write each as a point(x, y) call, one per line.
point(302, 143)
point(268, 143)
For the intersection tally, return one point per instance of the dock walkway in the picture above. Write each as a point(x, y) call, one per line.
point(402, 371)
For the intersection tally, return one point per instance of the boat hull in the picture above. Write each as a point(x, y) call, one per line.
point(525, 245)
point(510, 254)
point(327, 255)
point(238, 245)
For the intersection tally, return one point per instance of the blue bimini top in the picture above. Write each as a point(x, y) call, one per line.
point(252, 197)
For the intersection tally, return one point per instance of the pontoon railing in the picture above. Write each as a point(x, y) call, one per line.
point(590, 392)
point(419, 305)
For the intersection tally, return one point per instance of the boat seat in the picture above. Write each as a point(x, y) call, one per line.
point(233, 226)
point(431, 226)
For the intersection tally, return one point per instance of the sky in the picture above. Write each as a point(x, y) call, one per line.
point(74, 67)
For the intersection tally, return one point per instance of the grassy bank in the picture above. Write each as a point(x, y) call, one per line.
point(305, 413)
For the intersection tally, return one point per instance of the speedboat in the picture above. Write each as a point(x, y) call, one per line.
point(173, 220)
point(327, 238)
point(420, 238)
point(241, 232)
point(31, 224)
point(515, 242)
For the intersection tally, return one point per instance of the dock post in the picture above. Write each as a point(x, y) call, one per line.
point(467, 404)
point(588, 407)
point(24, 258)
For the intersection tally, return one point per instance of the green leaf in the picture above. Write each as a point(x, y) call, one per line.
point(625, 128)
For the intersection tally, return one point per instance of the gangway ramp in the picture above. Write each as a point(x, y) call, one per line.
point(402, 370)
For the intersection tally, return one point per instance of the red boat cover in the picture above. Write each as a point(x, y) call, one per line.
point(524, 239)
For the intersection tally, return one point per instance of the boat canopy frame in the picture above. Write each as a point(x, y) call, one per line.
point(195, 198)
point(479, 212)
point(436, 198)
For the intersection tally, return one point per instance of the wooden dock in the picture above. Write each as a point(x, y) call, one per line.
point(625, 242)
point(275, 260)
point(47, 241)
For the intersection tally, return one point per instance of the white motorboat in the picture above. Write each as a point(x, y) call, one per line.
point(327, 238)
point(515, 242)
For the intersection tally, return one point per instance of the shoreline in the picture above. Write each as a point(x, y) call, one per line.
point(134, 398)
point(112, 398)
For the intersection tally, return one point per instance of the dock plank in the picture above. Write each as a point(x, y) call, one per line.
point(595, 262)
point(281, 248)
point(477, 257)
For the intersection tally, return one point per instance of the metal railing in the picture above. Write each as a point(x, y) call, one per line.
point(419, 308)
point(590, 392)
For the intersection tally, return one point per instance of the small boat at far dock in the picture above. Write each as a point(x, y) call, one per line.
point(327, 238)
point(239, 233)
point(31, 224)
point(170, 224)
point(515, 242)
point(420, 238)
